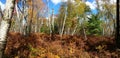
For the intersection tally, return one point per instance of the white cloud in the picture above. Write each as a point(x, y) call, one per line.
point(92, 5)
point(56, 1)
point(59, 1)
point(2, 6)
point(64, 0)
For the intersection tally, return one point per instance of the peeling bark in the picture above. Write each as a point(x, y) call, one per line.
point(5, 25)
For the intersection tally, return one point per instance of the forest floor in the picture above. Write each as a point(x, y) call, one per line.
point(40, 45)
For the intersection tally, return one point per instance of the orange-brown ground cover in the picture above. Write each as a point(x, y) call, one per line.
point(38, 45)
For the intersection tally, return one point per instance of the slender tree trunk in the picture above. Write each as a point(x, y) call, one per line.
point(84, 33)
point(118, 26)
point(74, 29)
point(18, 18)
point(68, 31)
point(64, 23)
point(40, 24)
point(31, 20)
point(37, 25)
point(103, 32)
point(52, 19)
point(24, 18)
point(5, 25)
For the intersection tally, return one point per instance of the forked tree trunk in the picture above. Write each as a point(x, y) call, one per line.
point(5, 24)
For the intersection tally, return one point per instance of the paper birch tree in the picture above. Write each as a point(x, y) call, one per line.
point(5, 25)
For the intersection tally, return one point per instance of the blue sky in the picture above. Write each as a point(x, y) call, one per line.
point(55, 4)
point(3, 1)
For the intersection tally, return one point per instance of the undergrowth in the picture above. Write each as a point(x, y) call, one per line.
point(38, 45)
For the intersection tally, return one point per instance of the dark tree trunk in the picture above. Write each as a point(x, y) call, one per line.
point(118, 26)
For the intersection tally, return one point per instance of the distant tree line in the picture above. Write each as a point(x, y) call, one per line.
point(74, 18)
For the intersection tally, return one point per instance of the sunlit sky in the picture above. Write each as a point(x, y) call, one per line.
point(55, 4)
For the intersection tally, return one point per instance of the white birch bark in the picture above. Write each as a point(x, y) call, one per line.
point(74, 30)
point(84, 31)
point(18, 19)
point(53, 19)
point(64, 23)
point(68, 30)
point(49, 19)
point(5, 24)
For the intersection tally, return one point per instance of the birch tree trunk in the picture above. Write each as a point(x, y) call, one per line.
point(53, 19)
point(49, 19)
point(84, 31)
point(5, 25)
point(63, 23)
point(74, 30)
point(85, 36)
